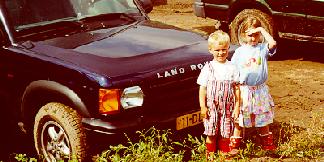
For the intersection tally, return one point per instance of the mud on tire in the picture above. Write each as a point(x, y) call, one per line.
point(58, 133)
point(235, 26)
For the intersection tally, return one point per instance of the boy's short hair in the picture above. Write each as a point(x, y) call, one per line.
point(219, 37)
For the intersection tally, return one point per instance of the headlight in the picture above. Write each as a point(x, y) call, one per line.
point(132, 97)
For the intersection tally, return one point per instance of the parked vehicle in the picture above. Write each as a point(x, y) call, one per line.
point(301, 20)
point(70, 70)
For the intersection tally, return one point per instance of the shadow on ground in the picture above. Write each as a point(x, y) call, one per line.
point(282, 132)
point(209, 29)
point(206, 29)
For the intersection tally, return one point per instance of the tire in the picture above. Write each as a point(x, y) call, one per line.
point(236, 24)
point(58, 133)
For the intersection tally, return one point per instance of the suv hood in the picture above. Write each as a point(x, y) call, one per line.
point(129, 50)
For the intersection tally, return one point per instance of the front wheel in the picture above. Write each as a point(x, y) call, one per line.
point(236, 25)
point(58, 133)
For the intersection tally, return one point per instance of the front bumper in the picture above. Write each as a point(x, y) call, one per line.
point(110, 128)
point(130, 124)
point(102, 134)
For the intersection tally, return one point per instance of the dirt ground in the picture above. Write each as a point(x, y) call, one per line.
point(296, 72)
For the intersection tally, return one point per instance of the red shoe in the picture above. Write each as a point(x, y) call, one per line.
point(267, 142)
point(234, 145)
point(223, 145)
point(210, 150)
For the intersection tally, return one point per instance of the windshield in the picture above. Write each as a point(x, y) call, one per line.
point(28, 12)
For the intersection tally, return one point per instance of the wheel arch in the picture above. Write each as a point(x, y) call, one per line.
point(240, 5)
point(38, 93)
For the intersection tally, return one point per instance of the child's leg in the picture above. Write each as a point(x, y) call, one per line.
point(253, 119)
point(211, 139)
point(264, 130)
point(262, 122)
point(237, 130)
point(210, 146)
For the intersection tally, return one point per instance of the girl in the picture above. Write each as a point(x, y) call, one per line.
point(251, 59)
point(218, 94)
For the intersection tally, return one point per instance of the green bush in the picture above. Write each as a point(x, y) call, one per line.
point(155, 145)
point(294, 142)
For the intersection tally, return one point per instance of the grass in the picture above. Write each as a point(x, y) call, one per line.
point(294, 143)
point(153, 145)
point(307, 143)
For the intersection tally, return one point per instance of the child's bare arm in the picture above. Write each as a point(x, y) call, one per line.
point(271, 42)
point(202, 101)
point(236, 111)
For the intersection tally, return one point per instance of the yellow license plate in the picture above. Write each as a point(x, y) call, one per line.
point(188, 120)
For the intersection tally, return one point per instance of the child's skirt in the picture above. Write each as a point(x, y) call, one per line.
point(257, 106)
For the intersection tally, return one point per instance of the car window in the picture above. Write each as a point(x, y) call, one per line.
point(27, 12)
point(111, 6)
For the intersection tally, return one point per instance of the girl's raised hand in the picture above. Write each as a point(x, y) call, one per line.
point(252, 31)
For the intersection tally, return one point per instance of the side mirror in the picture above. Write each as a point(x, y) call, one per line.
point(147, 5)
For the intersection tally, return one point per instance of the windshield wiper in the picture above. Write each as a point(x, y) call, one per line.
point(109, 16)
point(68, 21)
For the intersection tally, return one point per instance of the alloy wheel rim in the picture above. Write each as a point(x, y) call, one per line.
point(54, 142)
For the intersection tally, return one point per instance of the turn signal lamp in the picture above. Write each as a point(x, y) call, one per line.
point(109, 101)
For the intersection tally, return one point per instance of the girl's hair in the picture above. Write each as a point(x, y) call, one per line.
point(250, 22)
point(218, 37)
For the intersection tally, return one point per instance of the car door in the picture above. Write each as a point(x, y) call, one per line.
point(289, 16)
point(315, 19)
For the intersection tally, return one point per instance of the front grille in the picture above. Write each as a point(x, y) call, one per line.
point(170, 97)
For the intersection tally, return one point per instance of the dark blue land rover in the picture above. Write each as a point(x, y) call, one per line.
point(71, 68)
point(301, 20)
